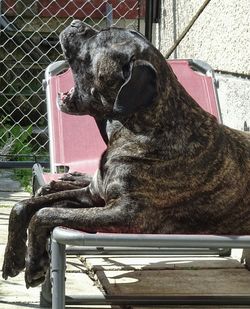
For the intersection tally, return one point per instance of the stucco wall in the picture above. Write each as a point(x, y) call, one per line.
point(234, 98)
point(221, 37)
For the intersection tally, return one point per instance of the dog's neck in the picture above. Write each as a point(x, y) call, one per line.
point(174, 126)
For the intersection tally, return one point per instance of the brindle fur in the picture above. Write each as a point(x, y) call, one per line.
point(169, 166)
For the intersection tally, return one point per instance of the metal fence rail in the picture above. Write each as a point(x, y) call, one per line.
point(29, 42)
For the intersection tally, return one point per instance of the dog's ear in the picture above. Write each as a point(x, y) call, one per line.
point(139, 90)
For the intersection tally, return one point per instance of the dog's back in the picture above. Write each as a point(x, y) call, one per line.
point(195, 175)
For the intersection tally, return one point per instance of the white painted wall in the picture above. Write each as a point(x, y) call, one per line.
point(234, 98)
point(221, 37)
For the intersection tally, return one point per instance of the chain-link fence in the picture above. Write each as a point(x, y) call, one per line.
point(29, 43)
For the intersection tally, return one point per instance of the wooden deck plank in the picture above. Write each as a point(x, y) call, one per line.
point(177, 282)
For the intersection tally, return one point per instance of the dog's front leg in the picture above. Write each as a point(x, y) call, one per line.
point(20, 216)
point(100, 219)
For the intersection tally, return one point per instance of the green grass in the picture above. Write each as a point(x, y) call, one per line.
point(24, 176)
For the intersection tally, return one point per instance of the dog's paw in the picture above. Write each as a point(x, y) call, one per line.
point(46, 189)
point(13, 263)
point(35, 271)
point(79, 178)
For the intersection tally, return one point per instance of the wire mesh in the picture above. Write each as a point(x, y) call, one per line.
point(29, 42)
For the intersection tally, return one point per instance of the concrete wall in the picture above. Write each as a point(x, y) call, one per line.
point(221, 37)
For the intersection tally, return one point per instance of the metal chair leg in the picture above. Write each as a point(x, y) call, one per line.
point(58, 265)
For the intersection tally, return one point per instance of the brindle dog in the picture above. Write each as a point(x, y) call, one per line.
point(169, 166)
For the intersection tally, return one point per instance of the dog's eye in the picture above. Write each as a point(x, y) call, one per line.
point(87, 59)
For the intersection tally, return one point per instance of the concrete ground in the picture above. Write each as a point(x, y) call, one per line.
point(157, 275)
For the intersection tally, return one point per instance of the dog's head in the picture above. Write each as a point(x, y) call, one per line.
point(115, 71)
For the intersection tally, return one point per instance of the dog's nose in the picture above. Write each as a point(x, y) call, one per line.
point(76, 23)
point(78, 26)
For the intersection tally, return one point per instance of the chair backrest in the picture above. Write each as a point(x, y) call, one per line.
point(75, 141)
point(198, 79)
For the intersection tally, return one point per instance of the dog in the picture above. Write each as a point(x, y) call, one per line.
point(169, 167)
